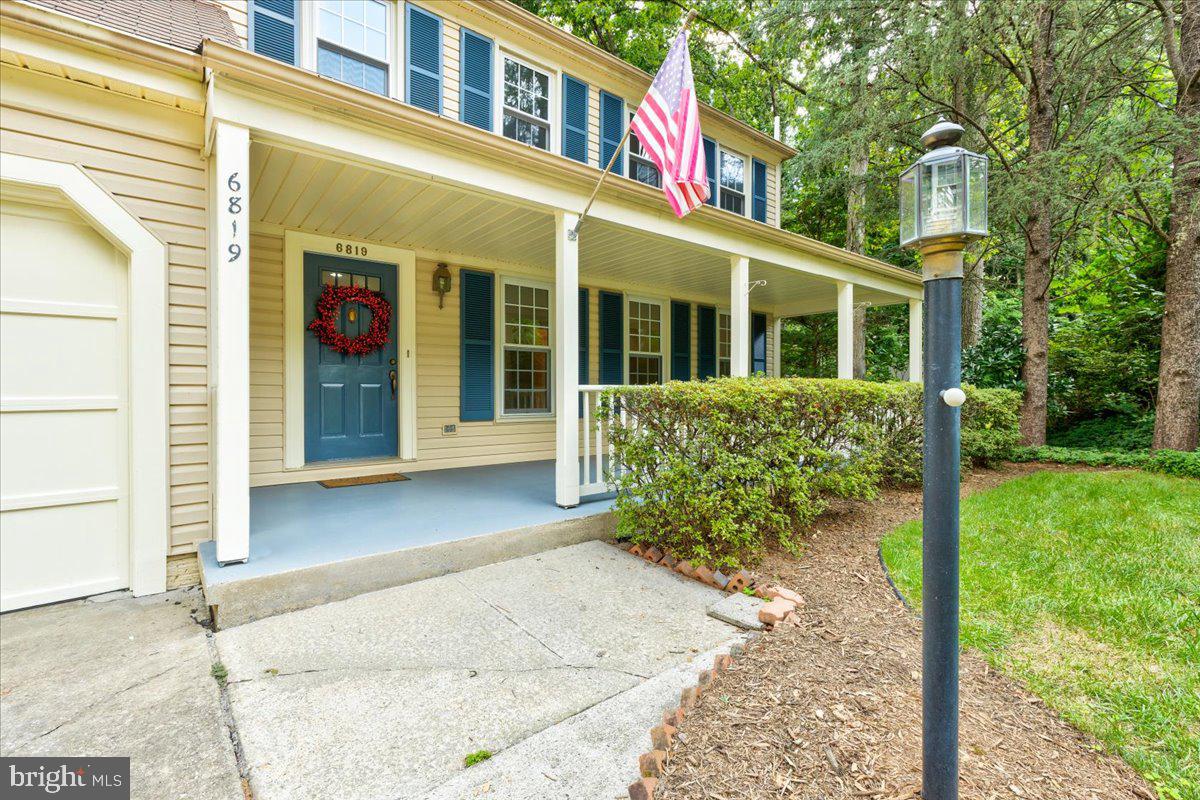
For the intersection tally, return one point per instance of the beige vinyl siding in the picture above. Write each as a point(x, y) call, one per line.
point(148, 158)
point(451, 38)
point(266, 353)
point(238, 11)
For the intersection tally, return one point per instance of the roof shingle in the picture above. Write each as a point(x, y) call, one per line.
point(179, 23)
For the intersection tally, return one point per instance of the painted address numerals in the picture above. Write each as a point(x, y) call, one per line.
point(234, 208)
point(346, 248)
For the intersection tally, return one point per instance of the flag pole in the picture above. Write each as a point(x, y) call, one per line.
point(573, 234)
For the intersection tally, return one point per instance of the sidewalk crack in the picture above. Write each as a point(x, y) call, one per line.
point(504, 613)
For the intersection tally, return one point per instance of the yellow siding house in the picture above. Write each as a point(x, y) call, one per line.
point(184, 179)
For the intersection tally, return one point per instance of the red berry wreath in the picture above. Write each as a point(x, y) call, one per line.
point(325, 325)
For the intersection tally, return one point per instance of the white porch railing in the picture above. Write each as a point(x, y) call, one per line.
point(598, 462)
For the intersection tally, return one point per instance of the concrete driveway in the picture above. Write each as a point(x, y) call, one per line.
point(558, 663)
point(119, 676)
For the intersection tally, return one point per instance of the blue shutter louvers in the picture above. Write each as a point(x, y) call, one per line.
point(583, 344)
point(706, 342)
point(681, 341)
point(273, 29)
point(612, 338)
point(477, 336)
point(575, 119)
point(758, 208)
point(612, 130)
point(423, 45)
point(758, 343)
point(476, 102)
point(710, 166)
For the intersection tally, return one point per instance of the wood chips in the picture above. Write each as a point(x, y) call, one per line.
point(832, 708)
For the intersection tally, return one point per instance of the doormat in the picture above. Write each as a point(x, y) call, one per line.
point(389, 477)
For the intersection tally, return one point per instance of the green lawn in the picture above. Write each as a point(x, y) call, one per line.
point(1086, 587)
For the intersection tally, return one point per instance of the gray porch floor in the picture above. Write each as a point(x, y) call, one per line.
point(301, 525)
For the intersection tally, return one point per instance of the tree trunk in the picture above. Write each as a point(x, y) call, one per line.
point(856, 232)
point(1177, 415)
point(972, 300)
point(1035, 328)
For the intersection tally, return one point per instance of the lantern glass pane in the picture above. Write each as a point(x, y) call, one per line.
point(977, 194)
point(941, 198)
point(908, 206)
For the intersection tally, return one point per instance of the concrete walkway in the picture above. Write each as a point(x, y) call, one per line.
point(118, 676)
point(560, 663)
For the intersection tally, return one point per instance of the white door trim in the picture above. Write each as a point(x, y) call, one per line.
point(147, 281)
point(295, 245)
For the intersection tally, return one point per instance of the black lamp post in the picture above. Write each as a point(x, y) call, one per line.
point(943, 207)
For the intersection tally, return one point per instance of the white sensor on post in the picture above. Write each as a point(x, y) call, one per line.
point(953, 397)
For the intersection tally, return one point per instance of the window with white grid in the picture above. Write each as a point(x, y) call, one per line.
point(645, 342)
point(527, 357)
point(724, 337)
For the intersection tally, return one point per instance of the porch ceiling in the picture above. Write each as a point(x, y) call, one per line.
point(304, 191)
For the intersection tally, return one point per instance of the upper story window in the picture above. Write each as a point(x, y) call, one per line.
point(352, 42)
point(724, 337)
point(526, 100)
point(733, 183)
point(527, 355)
point(645, 342)
point(641, 168)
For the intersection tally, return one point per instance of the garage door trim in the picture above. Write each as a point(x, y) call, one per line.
point(147, 301)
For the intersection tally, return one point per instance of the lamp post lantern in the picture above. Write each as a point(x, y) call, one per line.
point(943, 207)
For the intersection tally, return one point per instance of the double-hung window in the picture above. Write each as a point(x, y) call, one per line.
point(352, 42)
point(526, 99)
point(733, 183)
point(645, 342)
point(641, 168)
point(526, 343)
point(724, 338)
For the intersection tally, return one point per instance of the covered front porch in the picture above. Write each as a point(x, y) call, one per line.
point(712, 289)
point(312, 545)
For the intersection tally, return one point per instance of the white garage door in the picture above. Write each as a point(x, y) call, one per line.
point(64, 483)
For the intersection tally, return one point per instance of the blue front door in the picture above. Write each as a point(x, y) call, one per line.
point(349, 401)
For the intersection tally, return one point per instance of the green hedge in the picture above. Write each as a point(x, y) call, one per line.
point(716, 469)
point(1168, 462)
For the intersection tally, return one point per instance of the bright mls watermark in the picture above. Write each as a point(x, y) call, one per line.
point(66, 778)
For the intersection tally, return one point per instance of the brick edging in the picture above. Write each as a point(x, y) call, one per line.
point(780, 609)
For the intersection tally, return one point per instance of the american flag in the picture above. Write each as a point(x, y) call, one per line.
point(667, 125)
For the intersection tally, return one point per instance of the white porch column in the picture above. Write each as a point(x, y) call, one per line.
point(915, 351)
point(566, 361)
point(777, 350)
point(739, 316)
point(229, 279)
point(845, 328)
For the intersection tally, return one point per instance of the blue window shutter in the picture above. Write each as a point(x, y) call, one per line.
point(575, 119)
point(706, 342)
point(583, 344)
point(612, 338)
point(710, 166)
point(423, 48)
point(758, 209)
point(612, 130)
point(758, 343)
point(273, 29)
point(477, 335)
point(476, 102)
point(681, 341)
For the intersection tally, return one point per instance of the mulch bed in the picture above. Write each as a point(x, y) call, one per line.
point(832, 708)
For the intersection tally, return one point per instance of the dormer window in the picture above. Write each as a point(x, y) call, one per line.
point(352, 42)
point(526, 98)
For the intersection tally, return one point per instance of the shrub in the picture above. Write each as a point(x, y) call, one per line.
point(1114, 432)
point(1167, 462)
point(713, 470)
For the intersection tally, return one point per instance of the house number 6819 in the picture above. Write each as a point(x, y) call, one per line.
point(235, 207)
